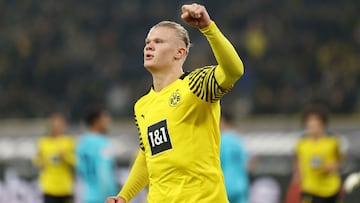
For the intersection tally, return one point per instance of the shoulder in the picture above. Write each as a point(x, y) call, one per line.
point(102, 141)
point(201, 71)
point(202, 82)
point(142, 98)
point(42, 139)
point(84, 140)
point(301, 141)
point(69, 138)
point(333, 138)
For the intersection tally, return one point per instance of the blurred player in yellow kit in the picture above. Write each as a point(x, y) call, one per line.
point(318, 160)
point(55, 160)
point(178, 119)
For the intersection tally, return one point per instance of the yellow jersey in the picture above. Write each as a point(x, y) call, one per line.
point(56, 159)
point(313, 156)
point(180, 135)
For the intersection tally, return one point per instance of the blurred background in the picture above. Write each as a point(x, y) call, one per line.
point(65, 55)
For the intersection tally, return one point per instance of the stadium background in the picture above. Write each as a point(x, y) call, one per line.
point(64, 55)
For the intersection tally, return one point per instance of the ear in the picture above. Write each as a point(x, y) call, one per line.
point(181, 53)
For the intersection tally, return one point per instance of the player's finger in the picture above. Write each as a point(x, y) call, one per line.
point(198, 12)
point(197, 7)
point(194, 12)
point(185, 15)
point(190, 8)
point(185, 8)
point(201, 9)
point(195, 15)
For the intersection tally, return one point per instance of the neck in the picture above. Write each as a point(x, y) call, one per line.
point(55, 134)
point(96, 130)
point(225, 127)
point(162, 79)
point(317, 136)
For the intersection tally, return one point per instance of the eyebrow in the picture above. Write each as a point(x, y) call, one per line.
point(154, 39)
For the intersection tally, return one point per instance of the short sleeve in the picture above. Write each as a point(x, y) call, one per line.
point(297, 147)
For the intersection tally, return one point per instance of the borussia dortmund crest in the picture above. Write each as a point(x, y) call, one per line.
point(175, 99)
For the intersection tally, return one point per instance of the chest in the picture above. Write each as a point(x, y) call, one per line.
point(325, 149)
point(50, 148)
point(174, 105)
point(166, 119)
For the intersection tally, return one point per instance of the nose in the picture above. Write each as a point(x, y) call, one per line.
point(149, 47)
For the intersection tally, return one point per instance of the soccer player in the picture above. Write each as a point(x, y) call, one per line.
point(55, 159)
point(178, 119)
point(233, 161)
point(95, 164)
point(318, 158)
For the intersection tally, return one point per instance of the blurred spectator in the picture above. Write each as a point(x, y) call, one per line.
point(95, 164)
point(255, 41)
point(318, 160)
point(55, 160)
point(233, 161)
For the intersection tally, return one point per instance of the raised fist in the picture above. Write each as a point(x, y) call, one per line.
point(195, 15)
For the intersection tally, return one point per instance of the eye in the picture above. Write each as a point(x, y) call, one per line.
point(157, 41)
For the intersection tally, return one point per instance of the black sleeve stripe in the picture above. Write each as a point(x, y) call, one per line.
point(141, 143)
point(199, 84)
point(204, 85)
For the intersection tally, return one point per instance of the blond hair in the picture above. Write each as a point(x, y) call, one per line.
point(180, 30)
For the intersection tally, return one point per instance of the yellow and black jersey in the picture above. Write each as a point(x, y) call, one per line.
point(56, 158)
point(180, 139)
point(180, 135)
point(313, 156)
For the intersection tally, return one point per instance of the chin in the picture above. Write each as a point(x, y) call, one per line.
point(105, 131)
point(149, 66)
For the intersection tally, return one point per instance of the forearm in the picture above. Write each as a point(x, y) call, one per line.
point(230, 67)
point(137, 180)
point(296, 178)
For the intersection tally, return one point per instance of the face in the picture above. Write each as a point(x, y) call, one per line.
point(162, 48)
point(314, 126)
point(57, 124)
point(104, 122)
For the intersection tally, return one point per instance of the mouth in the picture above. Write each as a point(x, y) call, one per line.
point(148, 57)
